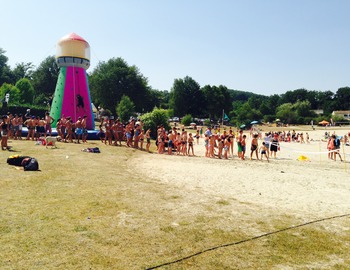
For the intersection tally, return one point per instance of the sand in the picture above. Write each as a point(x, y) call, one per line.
point(307, 189)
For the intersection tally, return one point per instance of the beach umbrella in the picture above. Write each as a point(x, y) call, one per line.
point(242, 126)
point(254, 122)
point(323, 123)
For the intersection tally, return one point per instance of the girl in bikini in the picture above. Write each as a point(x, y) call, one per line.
point(190, 144)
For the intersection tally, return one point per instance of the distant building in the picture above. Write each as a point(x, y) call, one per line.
point(319, 112)
point(344, 114)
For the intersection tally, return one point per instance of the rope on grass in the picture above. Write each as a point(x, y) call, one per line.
point(246, 240)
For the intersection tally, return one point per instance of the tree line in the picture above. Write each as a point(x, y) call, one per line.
point(121, 89)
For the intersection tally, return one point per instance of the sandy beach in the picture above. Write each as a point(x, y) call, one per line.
point(306, 189)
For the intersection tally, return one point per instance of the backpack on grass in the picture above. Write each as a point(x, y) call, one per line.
point(28, 163)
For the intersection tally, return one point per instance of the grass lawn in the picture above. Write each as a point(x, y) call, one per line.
point(96, 211)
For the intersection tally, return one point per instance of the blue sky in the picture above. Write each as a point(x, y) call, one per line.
point(265, 47)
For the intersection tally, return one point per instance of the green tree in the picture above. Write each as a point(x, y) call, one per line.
point(303, 108)
point(254, 102)
point(23, 70)
point(343, 98)
point(312, 98)
point(26, 90)
point(217, 99)
point(5, 71)
point(286, 112)
point(294, 96)
point(159, 99)
point(110, 80)
point(14, 92)
point(186, 97)
point(246, 114)
point(326, 101)
point(125, 109)
point(44, 78)
point(273, 102)
point(265, 109)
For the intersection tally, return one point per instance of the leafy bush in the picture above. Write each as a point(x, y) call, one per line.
point(22, 109)
point(186, 120)
point(269, 118)
point(207, 122)
point(154, 119)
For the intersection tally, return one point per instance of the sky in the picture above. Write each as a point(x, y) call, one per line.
point(261, 46)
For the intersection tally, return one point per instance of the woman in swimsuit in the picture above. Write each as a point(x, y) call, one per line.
point(4, 132)
point(254, 147)
point(190, 144)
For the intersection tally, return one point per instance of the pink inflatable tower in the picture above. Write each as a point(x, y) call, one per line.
point(72, 94)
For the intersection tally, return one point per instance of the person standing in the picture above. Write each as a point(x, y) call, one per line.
point(274, 147)
point(119, 128)
point(48, 122)
point(190, 144)
point(85, 132)
point(243, 146)
point(79, 129)
point(227, 145)
point(4, 126)
point(31, 127)
point(254, 147)
point(263, 151)
point(336, 148)
point(15, 124)
point(239, 139)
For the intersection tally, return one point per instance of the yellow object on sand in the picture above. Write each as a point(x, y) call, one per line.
point(303, 158)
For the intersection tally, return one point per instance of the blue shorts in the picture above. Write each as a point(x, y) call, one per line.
point(170, 144)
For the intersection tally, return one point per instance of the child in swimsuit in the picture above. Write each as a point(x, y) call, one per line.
point(190, 144)
point(263, 151)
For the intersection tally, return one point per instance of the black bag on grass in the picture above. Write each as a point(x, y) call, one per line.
point(16, 160)
point(28, 163)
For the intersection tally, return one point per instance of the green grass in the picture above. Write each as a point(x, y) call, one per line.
point(96, 211)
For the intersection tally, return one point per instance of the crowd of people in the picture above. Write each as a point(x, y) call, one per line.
point(222, 144)
point(11, 126)
point(177, 140)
